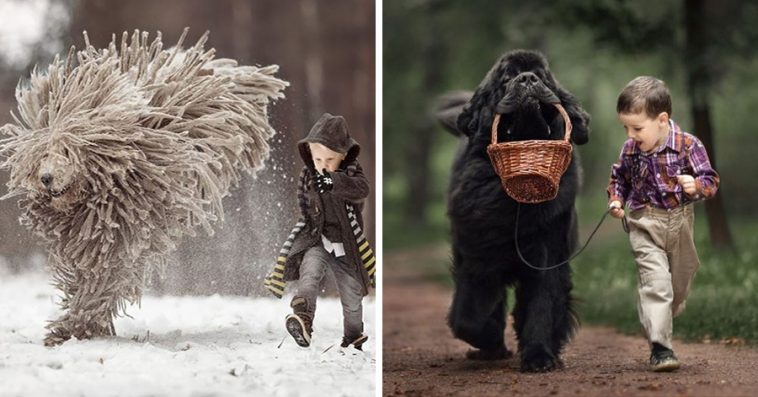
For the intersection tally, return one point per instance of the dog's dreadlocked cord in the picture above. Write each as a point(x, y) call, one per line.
point(605, 214)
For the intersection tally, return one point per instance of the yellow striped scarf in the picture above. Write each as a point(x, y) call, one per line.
point(274, 281)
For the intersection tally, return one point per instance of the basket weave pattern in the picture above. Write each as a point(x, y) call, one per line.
point(531, 170)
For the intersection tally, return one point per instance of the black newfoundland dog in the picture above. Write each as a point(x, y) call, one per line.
point(522, 89)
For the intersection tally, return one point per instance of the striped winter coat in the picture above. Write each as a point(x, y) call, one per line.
point(346, 200)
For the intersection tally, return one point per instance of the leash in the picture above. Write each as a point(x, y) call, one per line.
point(605, 214)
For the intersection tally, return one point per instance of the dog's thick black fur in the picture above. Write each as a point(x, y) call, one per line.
point(521, 87)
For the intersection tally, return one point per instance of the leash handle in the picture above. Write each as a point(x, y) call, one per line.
point(518, 251)
point(624, 224)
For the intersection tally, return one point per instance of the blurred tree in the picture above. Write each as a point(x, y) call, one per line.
point(701, 75)
point(432, 53)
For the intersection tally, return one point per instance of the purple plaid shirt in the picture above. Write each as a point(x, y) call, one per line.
point(642, 180)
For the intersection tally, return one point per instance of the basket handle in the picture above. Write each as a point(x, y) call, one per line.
point(558, 106)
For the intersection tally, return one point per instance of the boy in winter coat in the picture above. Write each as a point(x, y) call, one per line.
point(328, 236)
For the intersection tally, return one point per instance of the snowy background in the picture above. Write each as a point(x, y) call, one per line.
point(186, 341)
point(179, 346)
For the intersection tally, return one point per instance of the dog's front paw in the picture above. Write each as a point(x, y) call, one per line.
point(537, 358)
point(56, 336)
point(501, 353)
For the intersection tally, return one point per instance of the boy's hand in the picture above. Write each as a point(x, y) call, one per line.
point(688, 184)
point(616, 210)
point(323, 182)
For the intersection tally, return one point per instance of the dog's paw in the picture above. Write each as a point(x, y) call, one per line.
point(56, 337)
point(501, 353)
point(539, 359)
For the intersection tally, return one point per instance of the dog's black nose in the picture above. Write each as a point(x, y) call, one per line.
point(527, 78)
point(46, 179)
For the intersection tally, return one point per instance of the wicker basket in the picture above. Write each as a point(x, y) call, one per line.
point(531, 170)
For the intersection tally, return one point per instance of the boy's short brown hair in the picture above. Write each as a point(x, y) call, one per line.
point(645, 93)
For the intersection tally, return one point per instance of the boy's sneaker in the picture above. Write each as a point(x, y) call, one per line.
point(662, 359)
point(356, 342)
point(300, 323)
point(299, 326)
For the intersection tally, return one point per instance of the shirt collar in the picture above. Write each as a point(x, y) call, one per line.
point(673, 142)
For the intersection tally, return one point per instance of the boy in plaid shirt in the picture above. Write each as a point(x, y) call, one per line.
point(661, 171)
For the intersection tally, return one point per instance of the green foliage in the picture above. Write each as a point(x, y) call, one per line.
point(588, 59)
point(626, 24)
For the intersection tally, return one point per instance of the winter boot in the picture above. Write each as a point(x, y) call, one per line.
point(356, 342)
point(299, 323)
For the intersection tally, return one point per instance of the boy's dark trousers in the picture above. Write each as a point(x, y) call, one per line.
point(313, 268)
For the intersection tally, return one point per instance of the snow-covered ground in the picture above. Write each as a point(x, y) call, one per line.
point(179, 346)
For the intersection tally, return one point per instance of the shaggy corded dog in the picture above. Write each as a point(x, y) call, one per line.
point(521, 88)
point(121, 151)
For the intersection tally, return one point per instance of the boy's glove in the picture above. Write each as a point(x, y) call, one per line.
point(323, 182)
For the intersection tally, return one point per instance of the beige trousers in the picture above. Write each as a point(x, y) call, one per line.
point(667, 260)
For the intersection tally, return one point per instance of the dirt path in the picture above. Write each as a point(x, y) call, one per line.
point(422, 358)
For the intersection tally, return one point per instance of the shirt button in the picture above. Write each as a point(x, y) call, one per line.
point(658, 175)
